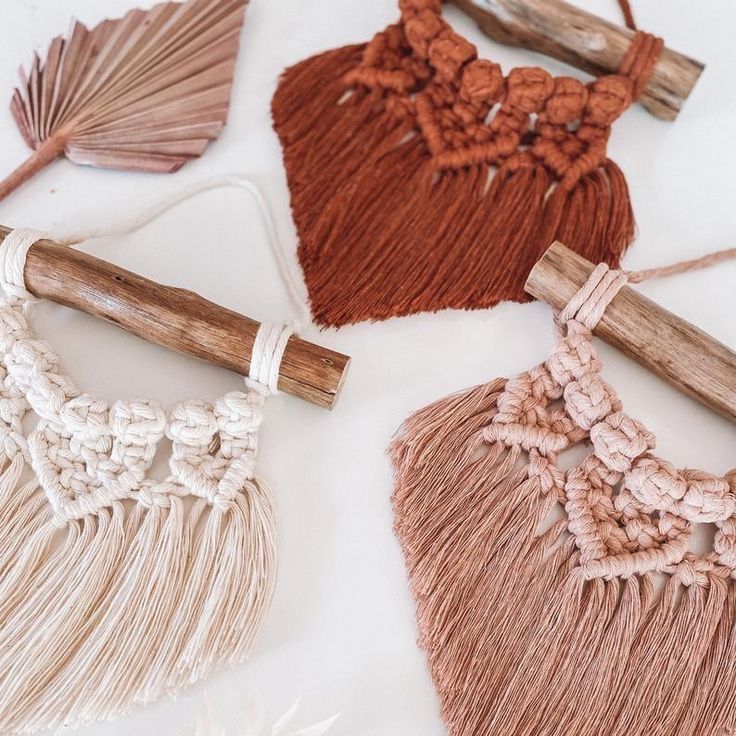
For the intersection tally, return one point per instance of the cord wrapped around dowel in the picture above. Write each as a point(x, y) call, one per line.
point(583, 40)
point(176, 318)
point(685, 356)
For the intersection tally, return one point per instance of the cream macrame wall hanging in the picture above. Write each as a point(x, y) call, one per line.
point(534, 631)
point(116, 587)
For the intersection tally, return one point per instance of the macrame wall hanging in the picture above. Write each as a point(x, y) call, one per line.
point(602, 622)
point(147, 92)
point(116, 587)
point(423, 178)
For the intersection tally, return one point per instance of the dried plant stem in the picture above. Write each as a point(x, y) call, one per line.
point(48, 151)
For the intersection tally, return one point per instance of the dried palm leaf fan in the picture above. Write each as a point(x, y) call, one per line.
point(422, 178)
point(553, 624)
point(147, 92)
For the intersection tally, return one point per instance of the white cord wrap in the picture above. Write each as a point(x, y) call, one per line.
point(13, 254)
point(268, 350)
point(270, 342)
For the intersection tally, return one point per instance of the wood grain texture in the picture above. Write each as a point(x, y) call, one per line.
point(585, 41)
point(175, 318)
point(685, 356)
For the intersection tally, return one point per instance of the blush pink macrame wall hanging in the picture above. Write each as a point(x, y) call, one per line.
point(599, 623)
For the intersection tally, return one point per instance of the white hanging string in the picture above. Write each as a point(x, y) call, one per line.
point(271, 339)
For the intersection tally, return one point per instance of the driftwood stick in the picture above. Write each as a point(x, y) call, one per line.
point(688, 358)
point(175, 318)
point(585, 41)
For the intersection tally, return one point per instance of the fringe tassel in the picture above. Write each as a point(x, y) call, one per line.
point(328, 133)
point(125, 605)
point(384, 233)
point(593, 218)
point(518, 641)
point(393, 236)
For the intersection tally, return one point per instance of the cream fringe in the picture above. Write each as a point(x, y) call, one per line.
point(126, 605)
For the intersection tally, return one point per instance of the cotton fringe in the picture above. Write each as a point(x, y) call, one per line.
point(125, 605)
point(385, 233)
point(518, 642)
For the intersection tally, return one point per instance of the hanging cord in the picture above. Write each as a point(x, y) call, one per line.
point(271, 339)
point(694, 264)
point(625, 6)
point(589, 303)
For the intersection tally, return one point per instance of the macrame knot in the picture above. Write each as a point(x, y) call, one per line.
point(607, 99)
point(422, 29)
point(192, 425)
point(566, 103)
point(545, 440)
point(525, 396)
point(268, 350)
point(410, 8)
point(482, 81)
point(656, 483)
point(448, 53)
point(724, 543)
point(13, 254)
point(619, 440)
point(694, 571)
point(582, 487)
point(239, 417)
point(138, 423)
point(699, 497)
point(589, 400)
point(155, 495)
point(527, 89)
point(574, 355)
point(544, 468)
point(86, 418)
point(385, 65)
point(707, 499)
point(589, 303)
point(639, 61)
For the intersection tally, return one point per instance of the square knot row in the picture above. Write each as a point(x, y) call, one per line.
point(699, 497)
point(556, 122)
point(87, 456)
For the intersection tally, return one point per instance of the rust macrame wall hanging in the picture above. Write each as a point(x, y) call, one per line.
point(601, 621)
point(423, 178)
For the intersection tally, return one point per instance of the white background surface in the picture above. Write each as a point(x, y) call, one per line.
point(341, 631)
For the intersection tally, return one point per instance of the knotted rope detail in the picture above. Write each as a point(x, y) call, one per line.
point(268, 350)
point(13, 254)
point(436, 73)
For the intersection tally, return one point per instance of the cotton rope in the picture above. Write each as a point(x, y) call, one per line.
point(113, 590)
point(271, 338)
point(538, 622)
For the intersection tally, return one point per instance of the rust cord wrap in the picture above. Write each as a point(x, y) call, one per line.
point(424, 178)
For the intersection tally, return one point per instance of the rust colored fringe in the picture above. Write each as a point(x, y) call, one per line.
point(383, 234)
point(518, 642)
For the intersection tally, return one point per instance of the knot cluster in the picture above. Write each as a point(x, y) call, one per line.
point(629, 511)
point(88, 455)
point(470, 113)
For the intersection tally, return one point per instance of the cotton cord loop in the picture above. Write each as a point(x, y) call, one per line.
point(271, 339)
point(268, 350)
point(13, 254)
point(590, 302)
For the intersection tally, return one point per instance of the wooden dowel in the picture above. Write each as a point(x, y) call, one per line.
point(685, 356)
point(175, 318)
point(585, 41)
